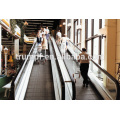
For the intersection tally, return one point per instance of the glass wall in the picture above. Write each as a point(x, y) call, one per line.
point(102, 45)
point(96, 49)
point(95, 43)
point(77, 32)
point(89, 27)
point(89, 47)
point(96, 26)
point(102, 53)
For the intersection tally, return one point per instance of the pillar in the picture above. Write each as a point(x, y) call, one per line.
point(66, 26)
point(110, 48)
point(5, 63)
point(71, 34)
point(16, 47)
point(118, 46)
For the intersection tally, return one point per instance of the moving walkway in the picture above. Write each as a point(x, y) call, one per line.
point(42, 82)
point(106, 85)
point(54, 80)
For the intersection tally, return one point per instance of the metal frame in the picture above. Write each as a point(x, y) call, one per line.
point(60, 74)
point(71, 77)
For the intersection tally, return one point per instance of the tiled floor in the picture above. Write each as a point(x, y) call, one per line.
point(40, 85)
point(82, 93)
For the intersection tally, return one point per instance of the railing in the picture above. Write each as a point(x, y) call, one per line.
point(16, 80)
point(106, 81)
point(60, 85)
point(71, 81)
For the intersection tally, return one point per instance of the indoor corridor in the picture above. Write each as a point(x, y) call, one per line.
point(54, 75)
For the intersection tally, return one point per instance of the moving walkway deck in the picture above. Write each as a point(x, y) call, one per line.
point(40, 86)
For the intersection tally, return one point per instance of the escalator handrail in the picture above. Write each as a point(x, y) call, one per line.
point(12, 90)
point(61, 77)
point(106, 73)
point(72, 79)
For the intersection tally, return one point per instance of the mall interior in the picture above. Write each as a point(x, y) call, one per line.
point(59, 79)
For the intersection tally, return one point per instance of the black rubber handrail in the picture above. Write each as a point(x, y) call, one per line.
point(72, 79)
point(60, 74)
point(106, 73)
point(12, 89)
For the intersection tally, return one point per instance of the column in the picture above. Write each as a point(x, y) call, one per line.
point(110, 48)
point(71, 34)
point(118, 46)
point(66, 26)
point(6, 64)
point(16, 47)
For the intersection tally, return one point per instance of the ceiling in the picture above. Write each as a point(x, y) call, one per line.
point(35, 24)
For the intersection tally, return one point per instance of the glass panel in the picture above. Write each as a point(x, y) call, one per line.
point(102, 53)
point(89, 47)
point(89, 28)
point(107, 83)
point(75, 49)
point(96, 26)
point(95, 50)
